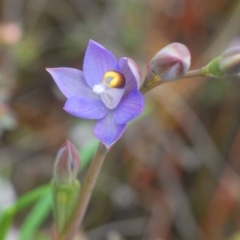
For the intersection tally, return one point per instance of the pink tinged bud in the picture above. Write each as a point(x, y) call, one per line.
point(66, 164)
point(229, 61)
point(172, 62)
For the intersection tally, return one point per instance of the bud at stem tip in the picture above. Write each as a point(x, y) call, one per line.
point(67, 164)
point(172, 62)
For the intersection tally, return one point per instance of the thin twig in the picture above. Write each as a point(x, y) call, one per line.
point(194, 73)
point(158, 81)
point(146, 88)
point(86, 193)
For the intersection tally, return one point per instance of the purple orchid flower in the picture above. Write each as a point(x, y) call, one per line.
point(106, 90)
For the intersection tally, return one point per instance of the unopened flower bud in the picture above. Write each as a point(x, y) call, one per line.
point(65, 186)
point(228, 63)
point(172, 62)
point(66, 164)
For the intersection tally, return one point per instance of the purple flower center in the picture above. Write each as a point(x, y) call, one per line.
point(111, 89)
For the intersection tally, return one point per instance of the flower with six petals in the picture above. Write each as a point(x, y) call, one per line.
point(106, 90)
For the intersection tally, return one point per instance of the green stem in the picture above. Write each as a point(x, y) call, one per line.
point(202, 72)
point(194, 73)
point(156, 81)
point(86, 193)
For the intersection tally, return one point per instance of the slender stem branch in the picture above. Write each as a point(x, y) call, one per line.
point(194, 73)
point(144, 89)
point(86, 193)
point(158, 81)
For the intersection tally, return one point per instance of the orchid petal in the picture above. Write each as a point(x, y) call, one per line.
point(129, 108)
point(84, 107)
point(112, 96)
point(97, 61)
point(131, 72)
point(107, 131)
point(71, 82)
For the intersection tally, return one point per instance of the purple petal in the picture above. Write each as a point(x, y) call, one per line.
point(84, 107)
point(131, 72)
point(70, 81)
point(97, 61)
point(129, 108)
point(107, 131)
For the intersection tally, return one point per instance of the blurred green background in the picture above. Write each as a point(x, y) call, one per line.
point(174, 175)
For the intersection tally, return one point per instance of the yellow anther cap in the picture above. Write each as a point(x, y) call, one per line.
point(114, 79)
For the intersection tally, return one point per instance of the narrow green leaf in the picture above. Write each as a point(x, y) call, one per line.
point(8, 214)
point(36, 217)
point(6, 222)
point(30, 197)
